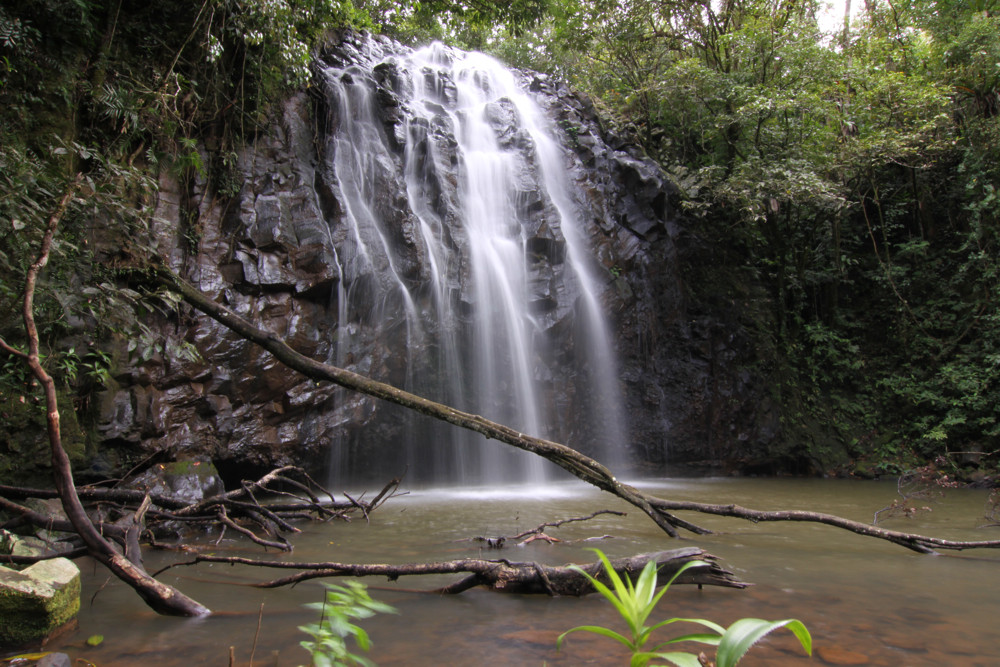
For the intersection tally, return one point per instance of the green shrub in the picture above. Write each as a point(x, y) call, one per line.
point(341, 605)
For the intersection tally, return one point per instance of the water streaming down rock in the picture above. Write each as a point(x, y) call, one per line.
point(463, 240)
point(351, 239)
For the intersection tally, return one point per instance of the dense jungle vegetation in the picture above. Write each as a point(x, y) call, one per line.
point(840, 188)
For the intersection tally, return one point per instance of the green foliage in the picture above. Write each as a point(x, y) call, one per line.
point(341, 607)
point(636, 602)
point(94, 367)
point(113, 206)
point(472, 25)
point(211, 76)
point(744, 633)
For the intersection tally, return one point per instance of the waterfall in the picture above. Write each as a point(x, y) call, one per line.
point(465, 273)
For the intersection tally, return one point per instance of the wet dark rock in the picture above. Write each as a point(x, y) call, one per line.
point(189, 481)
point(503, 118)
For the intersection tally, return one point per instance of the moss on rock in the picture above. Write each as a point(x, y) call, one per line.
point(36, 601)
point(24, 445)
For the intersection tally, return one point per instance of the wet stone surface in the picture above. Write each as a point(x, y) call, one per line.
point(38, 600)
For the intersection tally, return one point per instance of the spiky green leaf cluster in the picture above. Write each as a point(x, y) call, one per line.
point(636, 602)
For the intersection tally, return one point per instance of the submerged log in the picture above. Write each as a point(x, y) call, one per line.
point(528, 536)
point(533, 578)
point(503, 575)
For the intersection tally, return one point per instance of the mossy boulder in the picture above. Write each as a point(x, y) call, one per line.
point(38, 600)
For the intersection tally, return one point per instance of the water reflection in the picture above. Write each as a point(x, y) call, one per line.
point(861, 598)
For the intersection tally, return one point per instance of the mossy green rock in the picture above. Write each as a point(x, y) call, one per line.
point(36, 601)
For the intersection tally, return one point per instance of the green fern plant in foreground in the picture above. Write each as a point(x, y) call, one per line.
point(636, 602)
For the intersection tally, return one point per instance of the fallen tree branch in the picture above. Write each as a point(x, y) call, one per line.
point(99, 494)
point(583, 467)
point(224, 519)
point(47, 522)
point(10, 559)
point(133, 524)
point(580, 465)
point(182, 508)
point(132, 507)
point(246, 490)
point(538, 532)
point(913, 541)
point(502, 575)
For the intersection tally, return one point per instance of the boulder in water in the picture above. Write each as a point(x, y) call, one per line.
point(37, 601)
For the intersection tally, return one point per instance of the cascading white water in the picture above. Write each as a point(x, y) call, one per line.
point(450, 263)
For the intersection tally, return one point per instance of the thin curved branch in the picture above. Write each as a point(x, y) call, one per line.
point(919, 543)
point(160, 597)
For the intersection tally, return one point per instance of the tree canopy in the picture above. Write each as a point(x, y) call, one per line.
point(843, 185)
point(850, 178)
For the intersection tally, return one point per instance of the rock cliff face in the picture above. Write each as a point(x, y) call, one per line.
point(288, 254)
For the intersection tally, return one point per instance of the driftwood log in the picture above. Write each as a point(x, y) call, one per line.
point(660, 510)
point(503, 575)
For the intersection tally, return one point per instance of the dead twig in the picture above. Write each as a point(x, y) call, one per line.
point(256, 635)
point(225, 520)
point(537, 533)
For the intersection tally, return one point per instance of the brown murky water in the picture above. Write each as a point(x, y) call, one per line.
point(865, 601)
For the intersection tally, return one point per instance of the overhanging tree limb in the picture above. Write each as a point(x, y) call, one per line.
point(569, 459)
point(583, 467)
